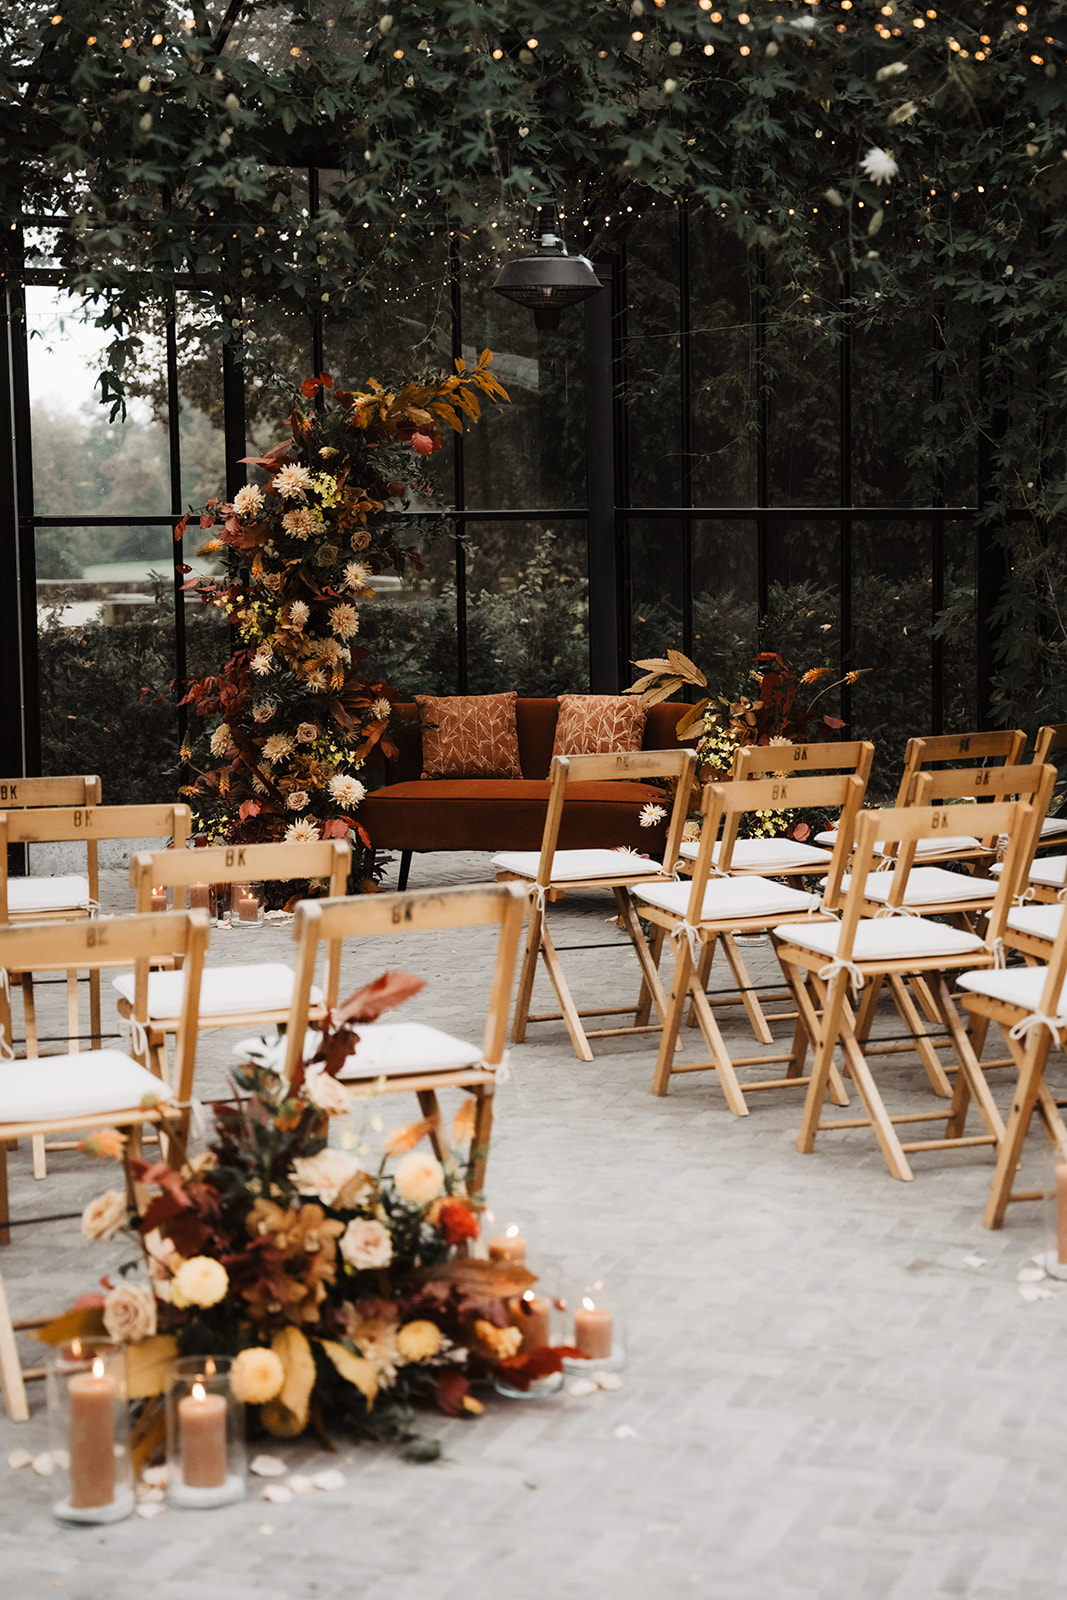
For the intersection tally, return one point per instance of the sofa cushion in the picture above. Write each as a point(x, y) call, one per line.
point(508, 814)
point(469, 736)
point(592, 724)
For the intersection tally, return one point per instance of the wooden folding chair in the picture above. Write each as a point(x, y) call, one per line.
point(255, 995)
point(824, 960)
point(1029, 1005)
point(779, 857)
point(960, 749)
point(94, 1088)
point(43, 899)
point(715, 904)
point(551, 872)
point(400, 1057)
point(1048, 742)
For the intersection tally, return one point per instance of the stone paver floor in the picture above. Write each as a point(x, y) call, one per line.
point(826, 1398)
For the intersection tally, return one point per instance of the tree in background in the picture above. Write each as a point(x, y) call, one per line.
point(293, 722)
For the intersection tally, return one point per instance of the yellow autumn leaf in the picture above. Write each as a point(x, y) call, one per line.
point(280, 1421)
point(85, 1323)
point(652, 697)
point(354, 1369)
point(653, 664)
point(688, 669)
point(294, 1353)
point(146, 1365)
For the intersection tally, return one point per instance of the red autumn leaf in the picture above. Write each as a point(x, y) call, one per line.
point(311, 386)
point(87, 1302)
point(188, 1234)
point(160, 1210)
point(179, 529)
point(335, 828)
point(249, 808)
point(368, 1003)
point(422, 444)
point(452, 1390)
point(206, 521)
point(834, 722)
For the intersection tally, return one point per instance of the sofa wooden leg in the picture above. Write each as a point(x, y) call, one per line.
point(405, 868)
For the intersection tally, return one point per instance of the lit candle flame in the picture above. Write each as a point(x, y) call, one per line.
point(98, 1367)
point(528, 1295)
point(590, 1305)
point(512, 1232)
point(199, 1392)
point(75, 1348)
point(209, 1368)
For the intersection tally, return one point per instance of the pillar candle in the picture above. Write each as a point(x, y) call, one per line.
point(200, 895)
point(509, 1246)
point(159, 898)
point(248, 908)
point(202, 1434)
point(532, 1316)
point(92, 1438)
point(1061, 1213)
point(593, 1330)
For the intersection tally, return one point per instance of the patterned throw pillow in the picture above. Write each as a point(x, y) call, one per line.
point(469, 736)
point(595, 724)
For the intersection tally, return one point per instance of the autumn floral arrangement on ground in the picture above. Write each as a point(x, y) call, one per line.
point(339, 1278)
point(292, 716)
point(783, 708)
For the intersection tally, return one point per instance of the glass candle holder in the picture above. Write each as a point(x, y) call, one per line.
point(505, 1239)
point(246, 905)
point(597, 1327)
point(89, 1432)
point(540, 1314)
point(202, 897)
point(206, 1458)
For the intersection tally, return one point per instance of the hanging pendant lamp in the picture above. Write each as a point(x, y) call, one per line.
point(547, 280)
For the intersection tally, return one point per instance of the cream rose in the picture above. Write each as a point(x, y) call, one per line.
point(323, 1091)
point(200, 1281)
point(104, 1216)
point(130, 1312)
point(307, 733)
point(366, 1244)
point(325, 1175)
point(419, 1178)
point(257, 1375)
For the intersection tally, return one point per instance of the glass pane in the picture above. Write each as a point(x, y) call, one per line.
point(409, 627)
point(82, 463)
point(107, 662)
point(723, 370)
point(530, 453)
point(527, 607)
point(960, 643)
point(804, 426)
point(891, 616)
point(653, 362)
point(655, 568)
point(725, 631)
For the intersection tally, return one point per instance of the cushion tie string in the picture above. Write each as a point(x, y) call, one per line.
point(5, 985)
point(896, 911)
point(6, 1052)
point(134, 1036)
point(1037, 1019)
point(539, 895)
point(1003, 841)
point(689, 932)
point(856, 979)
point(1061, 895)
point(998, 952)
point(93, 908)
point(1024, 895)
point(821, 909)
point(501, 1070)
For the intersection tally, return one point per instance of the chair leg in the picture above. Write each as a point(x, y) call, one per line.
point(683, 965)
point(11, 1384)
point(5, 1214)
point(405, 868)
point(1031, 1081)
point(429, 1107)
point(524, 993)
point(483, 1127)
point(563, 994)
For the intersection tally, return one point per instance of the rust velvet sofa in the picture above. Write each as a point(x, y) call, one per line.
point(411, 814)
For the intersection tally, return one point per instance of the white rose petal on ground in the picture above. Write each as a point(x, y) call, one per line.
point(624, 1431)
point(329, 1480)
point(609, 1381)
point(277, 1493)
point(975, 1262)
point(300, 1483)
point(19, 1458)
point(43, 1465)
point(267, 1467)
point(149, 1509)
point(581, 1387)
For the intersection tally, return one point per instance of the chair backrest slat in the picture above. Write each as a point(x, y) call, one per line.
point(87, 824)
point(1005, 745)
point(633, 766)
point(847, 755)
point(18, 793)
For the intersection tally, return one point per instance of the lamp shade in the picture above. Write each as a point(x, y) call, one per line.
point(547, 282)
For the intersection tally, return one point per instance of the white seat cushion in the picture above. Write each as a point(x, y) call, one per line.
point(1041, 922)
point(571, 865)
point(730, 899)
point(81, 1085)
point(387, 1049)
point(1049, 871)
point(1052, 826)
point(223, 990)
point(883, 938)
point(765, 855)
point(928, 886)
point(1019, 986)
point(924, 847)
point(27, 895)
